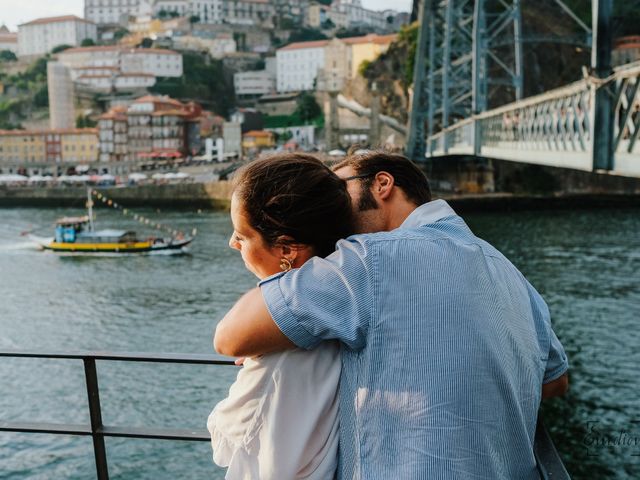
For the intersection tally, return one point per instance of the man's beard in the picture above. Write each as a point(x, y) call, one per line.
point(366, 200)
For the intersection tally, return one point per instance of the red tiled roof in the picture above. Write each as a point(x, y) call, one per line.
point(300, 45)
point(257, 133)
point(371, 38)
point(162, 51)
point(46, 132)
point(136, 74)
point(96, 68)
point(64, 18)
point(9, 37)
point(630, 41)
point(120, 48)
point(94, 76)
point(159, 99)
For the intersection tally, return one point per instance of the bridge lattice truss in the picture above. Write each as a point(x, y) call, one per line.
point(466, 48)
point(555, 128)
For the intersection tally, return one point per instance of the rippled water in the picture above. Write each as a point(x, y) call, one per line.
point(586, 264)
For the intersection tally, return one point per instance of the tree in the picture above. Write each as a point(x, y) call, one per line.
point(305, 34)
point(7, 56)
point(87, 42)
point(60, 48)
point(307, 107)
point(162, 14)
point(85, 122)
point(146, 43)
point(41, 97)
point(204, 82)
point(120, 33)
point(328, 24)
point(194, 19)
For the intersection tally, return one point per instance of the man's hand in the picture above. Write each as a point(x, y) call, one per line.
point(248, 330)
point(556, 388)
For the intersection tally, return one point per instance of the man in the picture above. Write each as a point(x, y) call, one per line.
point(447, 350)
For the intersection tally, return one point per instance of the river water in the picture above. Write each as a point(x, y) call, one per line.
point(586, 264)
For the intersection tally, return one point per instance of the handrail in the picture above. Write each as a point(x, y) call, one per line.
point(96, 429)
point(548, 460)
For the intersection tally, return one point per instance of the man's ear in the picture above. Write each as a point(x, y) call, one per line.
point(383, 185)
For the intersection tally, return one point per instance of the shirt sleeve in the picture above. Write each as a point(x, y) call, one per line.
point(557, 362)
point(327, 298)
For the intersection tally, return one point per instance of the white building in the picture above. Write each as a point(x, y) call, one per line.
point(38, 37)
point(248, 12)
point(60, 87)
point(298, 64)
point(110, 12)
point(120, 68)
point(207, 11)
point(254, 83)
point(8, 40)
point(356, 15)
point(218, 47)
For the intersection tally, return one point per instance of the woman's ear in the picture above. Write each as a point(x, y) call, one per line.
point(287, 248)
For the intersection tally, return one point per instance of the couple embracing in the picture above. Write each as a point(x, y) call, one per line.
point(384, 340)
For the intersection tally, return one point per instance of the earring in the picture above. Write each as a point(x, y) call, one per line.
point(285, 264)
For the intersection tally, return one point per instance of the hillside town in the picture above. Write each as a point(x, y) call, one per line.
point(159, 84)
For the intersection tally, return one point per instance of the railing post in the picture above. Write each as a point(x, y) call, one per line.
point(602, 138)
point(95, 414)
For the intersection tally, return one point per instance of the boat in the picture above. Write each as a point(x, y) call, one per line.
point(78, 234)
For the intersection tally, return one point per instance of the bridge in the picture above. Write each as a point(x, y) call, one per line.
point(590, 125)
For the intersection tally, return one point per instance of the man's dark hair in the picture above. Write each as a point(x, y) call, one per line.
point(295, 195)
point(406, 174)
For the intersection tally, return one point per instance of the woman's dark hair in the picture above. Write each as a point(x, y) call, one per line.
point(406, 174)
point(298, 196)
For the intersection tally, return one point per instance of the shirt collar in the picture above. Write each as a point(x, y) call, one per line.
point(427, 213)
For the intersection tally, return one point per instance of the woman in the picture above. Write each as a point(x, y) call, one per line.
point(280, 418)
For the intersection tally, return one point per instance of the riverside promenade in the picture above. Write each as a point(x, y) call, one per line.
point(216, 196)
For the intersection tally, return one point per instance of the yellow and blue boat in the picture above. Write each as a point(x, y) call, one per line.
point(78, 235)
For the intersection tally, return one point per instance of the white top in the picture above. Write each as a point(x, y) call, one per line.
point(280, 420)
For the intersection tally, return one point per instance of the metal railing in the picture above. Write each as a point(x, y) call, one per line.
point(550, 465)
point(96, 429)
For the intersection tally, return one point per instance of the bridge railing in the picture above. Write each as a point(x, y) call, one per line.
point(96, 429)
point(554, 128)
point(550, 465)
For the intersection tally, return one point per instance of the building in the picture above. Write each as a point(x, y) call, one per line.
point(249, 12)
point(112, 135)
point(254, 84)
point(254, 140)
point(48, 148)
point(322, 16)
point(626, 50)
point(336, 60)
point(358, 16)
point(207, 11)
point(232, 138)
point(151, 127)
point(8, 40)
point(61, 96)
point(116, 68)
point(366, 48)
point(40, 36)
point(218, 47)
point(110, 12)
point(298, 64)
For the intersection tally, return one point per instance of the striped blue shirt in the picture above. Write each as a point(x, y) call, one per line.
point(445, 347)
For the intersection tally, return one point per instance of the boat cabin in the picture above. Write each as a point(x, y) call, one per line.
point(107, 236)
point(67, 228)
point(72, 230)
